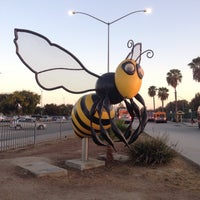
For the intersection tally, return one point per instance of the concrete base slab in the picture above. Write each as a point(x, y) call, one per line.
point(41, 169)
point(117, 157)
point(83, 165)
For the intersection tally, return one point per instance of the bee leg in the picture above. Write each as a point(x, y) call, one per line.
point(104, 132)
point(129, 129)
point(94, 135)
point(137, 131)
point(142, 116)
point(143, 111)
point(115, 129)
point(97, 107)
point(96, 139)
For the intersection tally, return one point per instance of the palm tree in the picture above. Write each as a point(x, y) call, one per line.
point(163, 94)
point(152, 93)
point(195, 66)
point(174, 77)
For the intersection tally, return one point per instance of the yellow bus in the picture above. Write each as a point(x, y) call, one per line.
point(160, 117)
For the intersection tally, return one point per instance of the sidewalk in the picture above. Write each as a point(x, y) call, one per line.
point(190, 124)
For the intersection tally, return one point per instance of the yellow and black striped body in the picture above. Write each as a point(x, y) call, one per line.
point(81, 116)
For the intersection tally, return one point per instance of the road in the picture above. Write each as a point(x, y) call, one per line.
point(55, 130)
point(184, 135)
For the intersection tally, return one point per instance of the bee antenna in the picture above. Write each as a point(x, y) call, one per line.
point(130, 44)
point(149, 53)
point(136, 51)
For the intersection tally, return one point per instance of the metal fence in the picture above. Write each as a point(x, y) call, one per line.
point(12, 137)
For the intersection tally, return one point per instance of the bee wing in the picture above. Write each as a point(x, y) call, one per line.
point(136, 51)
point(54, 66)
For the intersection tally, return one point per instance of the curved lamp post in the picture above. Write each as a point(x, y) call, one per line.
point(108, 25)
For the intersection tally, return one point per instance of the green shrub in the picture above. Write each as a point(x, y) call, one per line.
point(152, 151)
point(121, 125)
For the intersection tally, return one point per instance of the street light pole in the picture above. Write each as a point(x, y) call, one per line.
point(108, 51)
point(108, 27)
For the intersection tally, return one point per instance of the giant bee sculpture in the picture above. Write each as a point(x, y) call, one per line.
point(93, 114)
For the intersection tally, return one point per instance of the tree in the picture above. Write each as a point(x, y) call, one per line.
point(195, 66)
point(174, 77)
point(19, 102)
point(58, 110)
point(163, 94)
point(39, 110)
point(152, 93)
point(65, 110)
point(51, 109)
point(69, 108)
point(195, 102)
point(26, 100)
point(7, 107)
point(181, 104)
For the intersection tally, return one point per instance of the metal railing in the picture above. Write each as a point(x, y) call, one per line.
point(12, 137)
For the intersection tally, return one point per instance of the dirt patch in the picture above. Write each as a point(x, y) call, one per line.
point(178, 180)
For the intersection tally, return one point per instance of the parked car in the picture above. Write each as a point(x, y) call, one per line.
point(27, 123)
point(43, 118)
point(2, 118)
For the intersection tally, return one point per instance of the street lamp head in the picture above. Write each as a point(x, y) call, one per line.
point(148, 10)
point(71, 12)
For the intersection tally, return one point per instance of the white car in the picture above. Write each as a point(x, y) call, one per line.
point(27, 123)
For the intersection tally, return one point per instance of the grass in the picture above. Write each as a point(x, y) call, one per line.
point(150, 151)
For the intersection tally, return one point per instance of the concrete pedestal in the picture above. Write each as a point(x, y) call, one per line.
point(83, 165)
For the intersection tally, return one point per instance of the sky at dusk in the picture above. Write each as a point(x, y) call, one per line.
point(172, 31)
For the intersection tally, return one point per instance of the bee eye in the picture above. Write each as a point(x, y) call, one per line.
point(140, 71)
point(129, 68)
